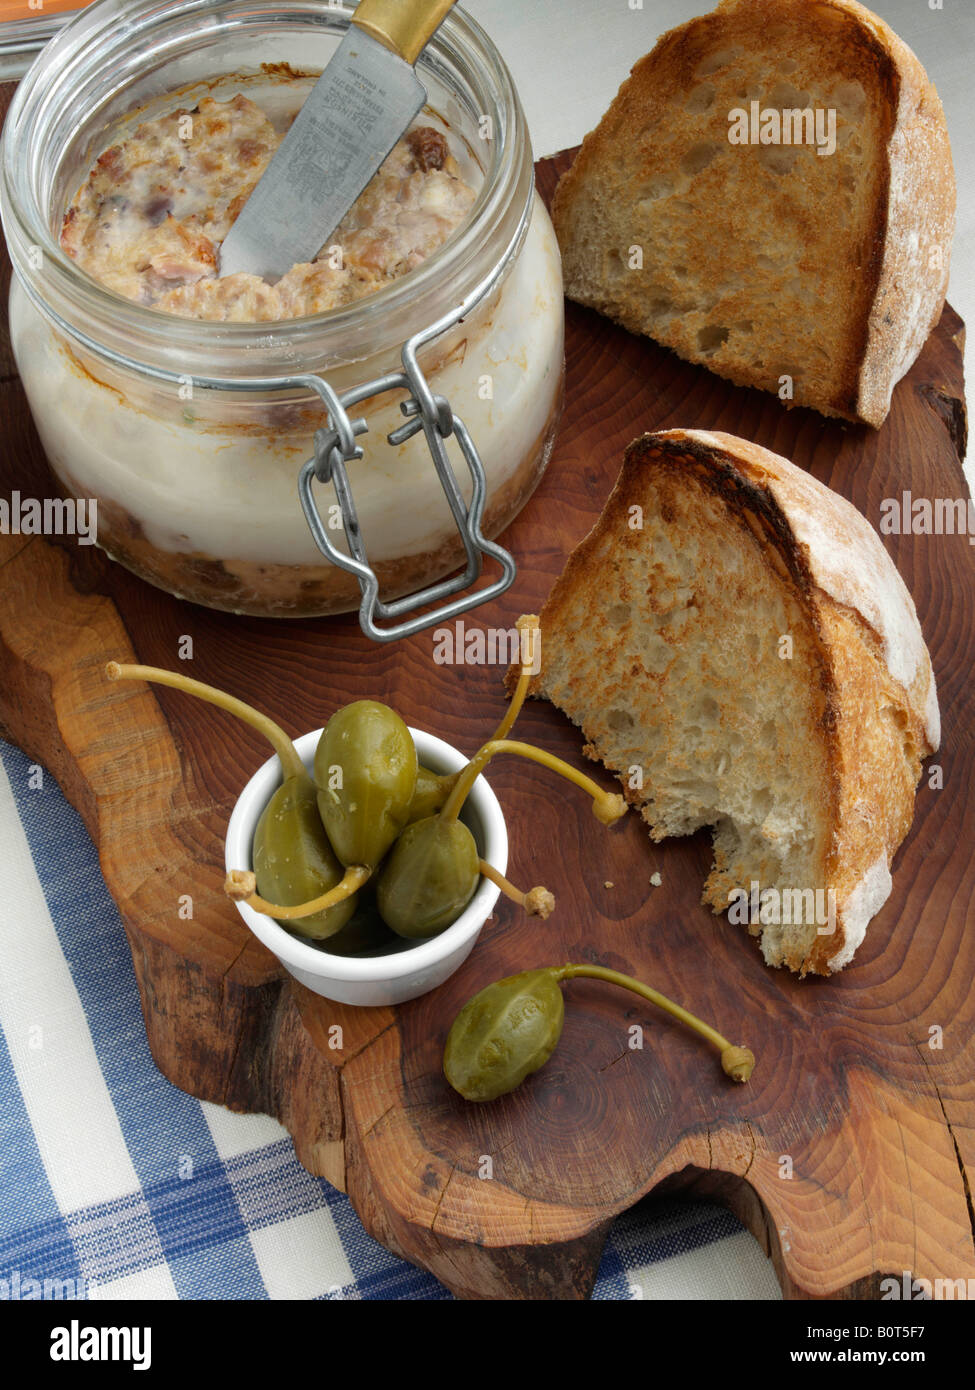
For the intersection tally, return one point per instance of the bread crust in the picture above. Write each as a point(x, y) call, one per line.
point(919, 215)
point(873, 673)
point(897, 273)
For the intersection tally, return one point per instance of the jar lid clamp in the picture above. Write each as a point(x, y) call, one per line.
point(335, 447)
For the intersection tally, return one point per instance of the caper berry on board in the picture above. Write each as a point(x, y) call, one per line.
point(510, 1029)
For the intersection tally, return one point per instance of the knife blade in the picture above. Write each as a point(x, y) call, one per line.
point(351, 119)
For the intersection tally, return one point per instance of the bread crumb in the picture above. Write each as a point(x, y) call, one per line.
point(656, 880)
point(609, 884)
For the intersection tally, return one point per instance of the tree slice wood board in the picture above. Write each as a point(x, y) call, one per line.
point(849, 1152)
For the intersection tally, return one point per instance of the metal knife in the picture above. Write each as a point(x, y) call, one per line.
point(351, 119)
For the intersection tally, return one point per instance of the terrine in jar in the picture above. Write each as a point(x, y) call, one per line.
point(128, 151)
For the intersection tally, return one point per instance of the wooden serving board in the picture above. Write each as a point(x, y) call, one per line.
point(878, 1127)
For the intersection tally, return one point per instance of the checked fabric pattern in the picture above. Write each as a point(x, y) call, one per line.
point(114, 1184)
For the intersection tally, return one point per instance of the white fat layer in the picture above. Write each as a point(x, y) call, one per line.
point(234, 497)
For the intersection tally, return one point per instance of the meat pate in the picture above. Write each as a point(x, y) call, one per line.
point(149, 220)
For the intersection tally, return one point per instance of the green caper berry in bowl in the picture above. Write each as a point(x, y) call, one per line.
point(337, 944)
point(395, 968)
point(376, 837)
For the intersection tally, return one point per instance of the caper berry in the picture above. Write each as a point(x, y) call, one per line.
point(365, 771)
point(431, 875)
point(512, 1027)
point(293, 860)
point(504, 1033)
point(430, 793)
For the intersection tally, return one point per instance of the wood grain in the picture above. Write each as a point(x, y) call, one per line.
point(879, 1127)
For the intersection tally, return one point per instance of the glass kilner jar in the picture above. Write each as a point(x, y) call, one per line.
point(225, 456)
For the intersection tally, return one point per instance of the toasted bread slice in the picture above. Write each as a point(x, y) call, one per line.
point(816, 276)
point(735, 643)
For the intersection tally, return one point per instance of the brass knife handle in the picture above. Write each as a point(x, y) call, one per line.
point(405, 26)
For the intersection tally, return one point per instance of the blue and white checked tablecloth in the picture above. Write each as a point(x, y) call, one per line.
point(114, 1180)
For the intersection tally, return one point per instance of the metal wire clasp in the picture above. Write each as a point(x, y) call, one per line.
point(335, 447)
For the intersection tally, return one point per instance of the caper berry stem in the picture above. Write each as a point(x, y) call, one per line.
point(526, 624)
point(537, 902)
point(737, 1062)
point(607, 806)
point(291, 764)
point(241, 885)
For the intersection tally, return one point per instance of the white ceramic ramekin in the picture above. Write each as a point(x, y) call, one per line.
point(416, 967)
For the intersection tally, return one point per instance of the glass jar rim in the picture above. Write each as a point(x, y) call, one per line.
point(117, 29)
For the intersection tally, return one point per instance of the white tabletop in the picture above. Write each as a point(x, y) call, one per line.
point(568, 58)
